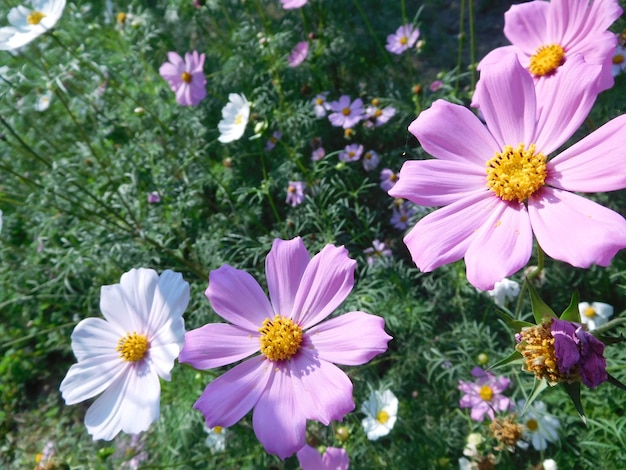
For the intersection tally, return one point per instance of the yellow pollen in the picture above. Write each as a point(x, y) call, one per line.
point(238, 119)
point(133, 347)
point(280, 338)
point(515, 174)
point(351, 154)
point(375, 101)
point(319, 101)
point(186, 77)
point(546, 60)
point(35, 17)
point(403, 218)
point(486, 392)
point(345, 111)
point(218, 429)
point(618, 59)
point(393, 177)
point(378, 113)
point(532, 425)
point(403, 40)
point(589, 312)
point(382, 417)
point(368, 156)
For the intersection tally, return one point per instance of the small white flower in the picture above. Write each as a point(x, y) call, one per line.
point(27, 24)
point(549, 464)
point(43, 102)
point(504, 290)
point(595, 314)
point(471, 447)
point(540, 427)
point(216, 438)
point(619, 61)
point(235, 117)
point(123, 355)
point(381, 410)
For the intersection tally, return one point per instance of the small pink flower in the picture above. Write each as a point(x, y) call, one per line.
point(402, 213)
point(370, 160)
point(333, 459)
point(154, 197)
point(351, 153)
point(346, 113)
point(379, 116)
point(295, 193)
point(435, 86)
point(388, 179)
point(299, 54)
point(404, 38)
point(318, 154)
point(378, 251)
point(320, 104)
point(291, 4)
point(484, 395)
point(185, 78)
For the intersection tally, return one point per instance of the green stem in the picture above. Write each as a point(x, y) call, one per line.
point(530, 278)
point(372, 33)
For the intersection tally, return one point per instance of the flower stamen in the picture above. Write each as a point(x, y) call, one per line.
point(35, 17)
point(133, 347)
point(486, 393)
point(280, 338)
point(382, 417)
point(186, 77)
point(546, 60)
point(589, 312)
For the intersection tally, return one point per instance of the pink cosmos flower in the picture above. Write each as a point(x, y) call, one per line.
point(298, 54)
point(345, 113)
point(484, 395)
point(379, 116)
point(320, 105)
point(435, 86)
point(618, 64)
point(402, 213)
point(499, 187)
point(378, 251)
point(154, 197)
point(318, 154)
point(370, 160)
point(294, 378)
point(404, 38)
point(388, 179)
point(185, 78)
point(351, 153)
point(545, 35)
point(291, 4)
point(295, 193)
point(333, 459)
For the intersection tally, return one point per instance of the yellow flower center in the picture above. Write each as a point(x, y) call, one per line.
point(186, 77)
point(121, 17)
point(238, 119)
point(532, 425)
point(35, 17)
point(403, 40)
point(382, 417)
point(486, 392)
point(345, 111)
point(546, 60)
point(218, 429)
point(351, 154)
point(319, 101)
point(618, 59)
point(393, 177)
point(280, 338)
point(378, 113)
point(589, 312)
point(133, 347)
point(515, 174)
point(368, 156)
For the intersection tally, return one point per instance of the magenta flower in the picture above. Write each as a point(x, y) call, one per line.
point(499, 187)
point(578, 352)
point(545, 35)
point(435, 86)
point(294, 378)
point(404, 38)
point(291, 4)
point(333, 459)
point(154, 197)
point(351, 153)
point(484, 395)
point(345, 113)
point(298, 54)
point(295, 193)
point(185, 78)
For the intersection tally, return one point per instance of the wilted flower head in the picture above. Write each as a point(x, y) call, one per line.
point(351, 153)
point(507, 431)
point(561, 351)
point(540, 427)
point(298, 54)
point(295, 193)
point(345, 113)
point(404, 38)
point(235, 117)
point(595, 314)
point(186, 78)
point(381, 410)
point(484, 395)
point(27, 24)
point(334, 458)
point(503, 291)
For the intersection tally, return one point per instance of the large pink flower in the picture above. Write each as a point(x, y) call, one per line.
point(544, 35)
point(294, 378)
point(498, 186)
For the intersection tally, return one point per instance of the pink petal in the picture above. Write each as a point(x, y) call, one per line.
point(176, 60)
point(324, 392)
point(309, 458)
point(443, 236)
point(575, 21)
point(229, 397)
point(525, 25)
point(326, 282)
point(278, 420)
point(566, 100)
point(595, 164)
point(451, 132)
point(217, 344)
point(501, 247)
point(438, 182)
point(170, 73)
point(237, 297)
point(284, 266)
point(351, 339)
point(507, 102)
point(574, 229)
point(335, 459)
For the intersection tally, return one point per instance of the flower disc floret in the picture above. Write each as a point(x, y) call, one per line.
point(537, 348)
point(486, 392)
point(382, 417)
point(516, 173)
point(280, 338)
point(133, 347)
point(546, 60)
point(35, 17)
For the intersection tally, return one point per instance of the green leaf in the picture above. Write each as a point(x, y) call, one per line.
point(614, 381)
point(571, 313)
point(573, 390)
point(540, 308)
point(513, 357)
point(538, 387)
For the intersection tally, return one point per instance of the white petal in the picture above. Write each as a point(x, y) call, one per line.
point(91, 377)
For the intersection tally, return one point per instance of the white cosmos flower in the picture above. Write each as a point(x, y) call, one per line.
point(235, 117)
point(43, 101)
point(503, 291)
point(595, 314)
point(216, 438)
point(27, 24)
point(381, 410)
point(540, 427)
point(123, 355)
